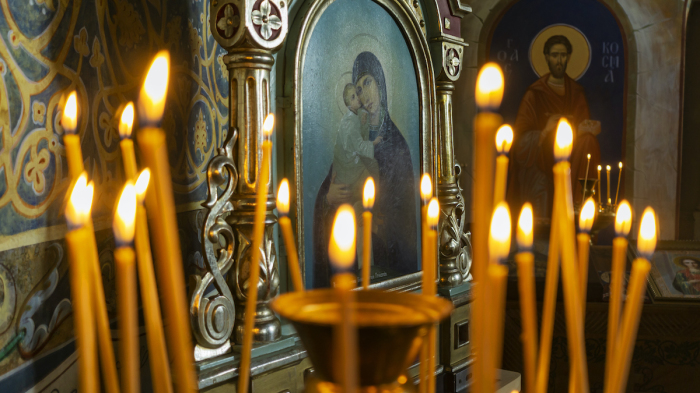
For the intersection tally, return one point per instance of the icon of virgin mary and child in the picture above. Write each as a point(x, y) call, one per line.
point(368, 143)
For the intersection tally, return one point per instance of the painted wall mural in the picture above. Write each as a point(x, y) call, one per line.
point(101, 49)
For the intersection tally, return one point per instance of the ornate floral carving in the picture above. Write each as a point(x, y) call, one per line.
point(452, 62)
point(34, 170)
point(229, 21)
point(267, 21)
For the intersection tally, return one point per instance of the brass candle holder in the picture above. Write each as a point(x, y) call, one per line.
point(389, 328)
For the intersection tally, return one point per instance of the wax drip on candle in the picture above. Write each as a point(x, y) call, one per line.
point(524, 234)
point(504, 139)
point(155, 88)
point(141, 185)
point(646, 243)
point(433, 216)
point(499, 239)
point(564, 140)
point(489, 87)
point(69, 120)
point(126, 122)
point(585, 222)
point(341, 250)
point(123, 224)
point(368, 194)
point(426, 188)
point(283, 197)
point(623, 219)
point(80, 202)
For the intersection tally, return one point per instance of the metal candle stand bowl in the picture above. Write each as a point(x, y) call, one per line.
point(389, 326)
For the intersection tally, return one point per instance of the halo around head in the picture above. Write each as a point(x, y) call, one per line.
point(580, 56)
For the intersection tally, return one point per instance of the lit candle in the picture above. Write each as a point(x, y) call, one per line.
point(607, 170)
point(368, 203)
point(619, 177)
point(69, 122)
point(504, 139)
point(341, 253)
point(600, 203)
point(585, 223)
point(288, 235)
point(489, 93)
point(77, 217)
point(646, 243)
point(585, 181)
point(526, 285)
point(126, 124)
point(161, 206)
point(574, 317)
point(157, 352)
point(623, 224)
point(429, 288)
point(127, 307)
point(426, 192)
point(254, 271)
point(499, 247)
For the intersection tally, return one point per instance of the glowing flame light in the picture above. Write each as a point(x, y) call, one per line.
point(80, 202)
point(341, 250)
point(268, 125)
point(525, 221)
point(433, 216)
point(499, 239)
point(142, 184)
point(426, 188)
point(126, 212)
point(283, 198)
point(489, 87)
point(155, 89)
point(585, 221)
point(126, 123)
point(69, 121)
point(646, 243)
point(504, 139)
point(564, 140)
point(368, 194)
point(623, 219)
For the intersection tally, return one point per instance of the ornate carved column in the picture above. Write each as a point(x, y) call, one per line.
point(251, 31)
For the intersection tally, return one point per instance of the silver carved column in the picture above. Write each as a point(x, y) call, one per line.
point(251, 31)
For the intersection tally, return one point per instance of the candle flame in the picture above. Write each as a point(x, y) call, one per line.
point(599, 168)
point(433, 216)
point(126, 123)
point(489, 87)
point(619, 165)
point(589, 156)
point(80, 202)
point(607, 168)
point(155, 89)
point(525, 221)
point(69, 121)
point(426, 188)
point(564, 140)
point(124, 217)
point(368, 194)
point(504, 139)
point(342, 247)
point(585, 221)
point(499, 237)
point(268, 125)
point(623, 219)
point(283, 197)
point(646, 243)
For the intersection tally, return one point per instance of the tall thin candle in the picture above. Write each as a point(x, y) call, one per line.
point(504, 139)
point(69, 122)
point(499, 247)
point(585, 181)
point(600, 203)
point(619, 177)
point(288, 236)
point(426, 192)
point(607, 171)
point(432, 219)
point(368, 203)
point(525, 260)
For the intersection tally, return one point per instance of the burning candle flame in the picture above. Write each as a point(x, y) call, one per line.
point(124, 217)
point(80, 202)
point(619, 165)
point(368, 194)
point(126, 123)
point(564, 140)
point(585, 222)
point(69, 121)
point(268, 125)
point(623, 219)
point(504, 139)
point(489, 87)
point(499, 237)
point(426, 188)
point(607, 168)
point(646, 243)
point(341, 250)
point(141, 185)
point(525, 221)
point(283, 197)
point(155, 89)
point(433, 216)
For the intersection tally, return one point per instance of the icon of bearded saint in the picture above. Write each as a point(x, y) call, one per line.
point(200, 134)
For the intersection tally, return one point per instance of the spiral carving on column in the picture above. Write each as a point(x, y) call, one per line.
point(213, 315)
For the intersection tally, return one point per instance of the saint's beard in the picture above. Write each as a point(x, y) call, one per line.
point(558, 70)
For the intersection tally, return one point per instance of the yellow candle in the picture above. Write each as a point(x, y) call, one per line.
point(127, 307)
point(258, 234)
point(585, 182)
point(619, 177)
point(126, 144)
point(157, 353)
point(429, 285)
point(562, 191)
point(77, 216)
point(607, 171)
point(161, 206)
point(526, 286)
point(600, 203)
point(489, 93)
point(623, 224)
point(368, 203)
point(504, 139)
point(341, 253)
point(585, 224)
point(426, 192)
point(499, 247)
point(288, 236)
point(69, 122)
point(646, 244)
